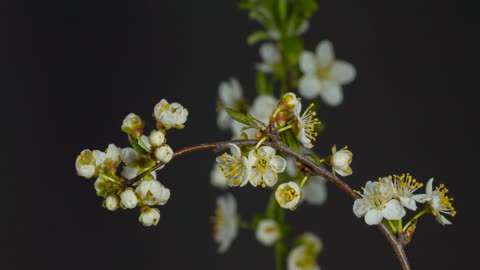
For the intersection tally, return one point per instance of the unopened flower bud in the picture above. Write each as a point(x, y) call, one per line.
point(111, 202)
point(129, 199)
point(156, 138)
point(164, 153)
point(133, 125)
point(149, 216)
point(288, 102)
point(268, 232)
point(340, 161)
point(85, 164)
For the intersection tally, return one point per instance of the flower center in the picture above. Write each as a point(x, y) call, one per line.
point(309, 121)
point(262, 164)
point(445, 201)
point(87, 158)
point(288, 194)
point(405, 184)
point(164, 107)
point(233, 169)
point(323, 73)
point(306, 260)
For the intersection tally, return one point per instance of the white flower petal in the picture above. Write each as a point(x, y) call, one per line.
point(373, 217)
point(278, 164)
point(309, 87)
point(270, 178)
point(429, 186)
point(442, 220)
point(291, 168)
point(269, 53)
point(342, 72)
point(408, 203)
point(308, 62)
point(422, 198)
point(331, 93)
point(360, 207)
point(129, 155)
point(223, 120)
point(393, 210)
point(325, 54)
point(315, 190)
point(235, 150)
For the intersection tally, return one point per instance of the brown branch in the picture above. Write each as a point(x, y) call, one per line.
point(313, 166)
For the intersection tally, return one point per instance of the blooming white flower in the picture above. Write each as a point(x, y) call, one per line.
point(304, 125)
point(268, 232)
point(323, 75)
point(128, 199)
point(438, 201)
point(340, 161)
point(85, 164)
point(377, 203)
point(170, 115)
point(164, 153)
point(113, 157)
point(404, 187)
point(112, 202)
point(152, 192)
point(262, 108)
point(312, 241)
point(230, 94)
point(133, 125)
point(149, 216)
point(235, 167)
point(315, 190)
point(225, 222)
point(270, 56)
point(288, 195)
point(265, 166)
point(156, 138)
point(217, 179)
point(301, 258)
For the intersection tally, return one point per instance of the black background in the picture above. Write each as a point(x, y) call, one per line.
point(71, 70)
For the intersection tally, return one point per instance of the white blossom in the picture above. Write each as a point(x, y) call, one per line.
point(85, 164)
point(266, 166)
point(112, 202)
point(149, 216)
point(304, 124)
point(323, 75)
point(235, 167)
point(267, 232)
point(129, 155)
point(164, 153)
point(225, 222)
point(438, 201)
point(315, 190)
point(129, 199)
point(156, 138)
point(288, 195)
point(404, 186)
point(340, 161)
point(217, 179)
point(270, 56)
point(230, 94)
point(152, 192)
point(113, 157)
point(133, 125)
point(104, 185)
point(170, 115)
point(301, 258)
point(312, 241)
point(377, 203)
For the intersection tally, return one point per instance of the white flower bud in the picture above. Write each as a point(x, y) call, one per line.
point(129, 199)
point(152, 192)
point(133, 125)
point(156, 138)
point(85, 164)
point(340, 162)
point(164, 153)
point(170, 115)
point(113, 155)
point(149, 216)
point(112, 202)
point(267, 232)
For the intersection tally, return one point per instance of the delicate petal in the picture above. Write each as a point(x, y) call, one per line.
point(342, 72)
point(331, 93)
point(291, 169)
point(408, 203)
point(442, 220)
point(325, 54)
point(278, 164)
point(393, 210)
point(422, 198)
point(99, 157)
point(270, 178)
point(266, 151)
point(315, 190)
point(235, 150)
point(309, 87)
point(129, 171)
point(429, 186)
point(360, 207)
point(373, 217)
point(129, 155)
point(255, 177)
point(269, 53)
point(308, 62)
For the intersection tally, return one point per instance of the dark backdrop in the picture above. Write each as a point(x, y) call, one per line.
point(71, 70)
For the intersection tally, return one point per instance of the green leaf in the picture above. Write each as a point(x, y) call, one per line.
point(290, 140)
point(315, 157)
point(256, 37)
point(292, 47)
point(282, 8)
point(263, 85)
point(245, 118)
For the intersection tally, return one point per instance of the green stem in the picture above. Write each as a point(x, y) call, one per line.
point(304, 180)
point(390, 224)
point(279, 256)
point(285, 128)
point(276, 112)
point(260, 142)
point(421, 213)
point(108, 178)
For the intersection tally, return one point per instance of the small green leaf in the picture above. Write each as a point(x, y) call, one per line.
point(290, 140)
point(315, 157)
point(256, 37)
point(292, 47)
point(282, 8)
point(245, 118)
point(263, 85)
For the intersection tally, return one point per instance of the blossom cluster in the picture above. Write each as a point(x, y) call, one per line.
point(388, 198)
point(116, 169)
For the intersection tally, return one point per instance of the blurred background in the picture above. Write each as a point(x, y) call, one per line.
point(70, 71)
